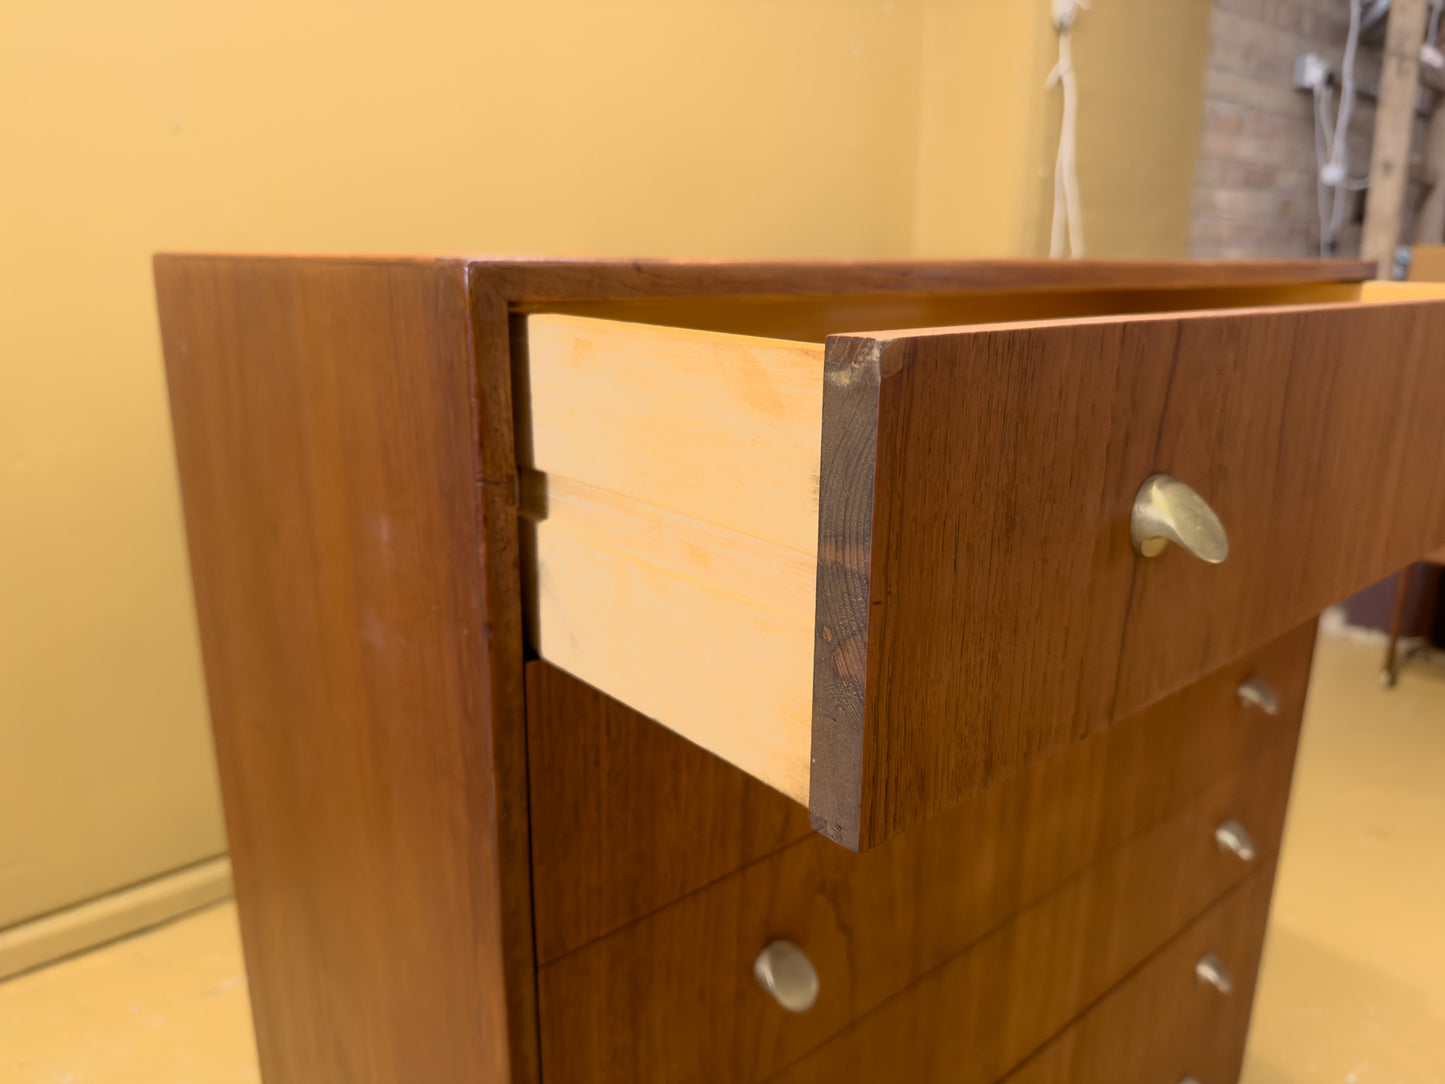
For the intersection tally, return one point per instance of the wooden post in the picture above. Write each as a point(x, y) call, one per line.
point(1394, 119)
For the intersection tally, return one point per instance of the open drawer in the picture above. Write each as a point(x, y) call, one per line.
point(880, 571)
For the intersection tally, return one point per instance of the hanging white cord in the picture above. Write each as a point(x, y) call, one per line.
point(1322, 157)
point(1339, 160)
point(1068, 214)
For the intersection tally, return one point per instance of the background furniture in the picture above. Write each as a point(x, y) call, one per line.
point(1427, 264)
point(1055, 750)
point(1404, 590)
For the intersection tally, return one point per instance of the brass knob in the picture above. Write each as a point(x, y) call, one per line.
point(1211, 969)
point(1234, 838)
point(784, 970)
point(1256, 691)
point(1166, 510)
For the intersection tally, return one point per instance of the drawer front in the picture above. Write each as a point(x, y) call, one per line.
point(1307, 433)
point(1006, 610)
point(971, 599)
point(1164, 1025)
point(959, 1026)
point(672, 997)
point(627, 817)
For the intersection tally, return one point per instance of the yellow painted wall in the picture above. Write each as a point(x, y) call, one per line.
point(723, 127)
point(1140, 67)
point(989, 128)
point(663, 127)
point(980, 128)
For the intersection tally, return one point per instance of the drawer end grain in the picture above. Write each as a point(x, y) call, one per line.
point(851, 378)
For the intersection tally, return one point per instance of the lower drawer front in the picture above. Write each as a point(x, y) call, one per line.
point(1164, 1025)
point(672, 997)
point(628, 818)
point(965, 1024)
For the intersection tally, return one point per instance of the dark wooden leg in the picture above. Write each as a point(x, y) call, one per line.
point(1390, 673)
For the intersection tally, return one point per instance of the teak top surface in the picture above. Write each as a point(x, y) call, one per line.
point(540, 279)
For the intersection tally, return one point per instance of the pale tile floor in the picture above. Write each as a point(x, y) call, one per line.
point(164, 1007)
point(1353, 984)
point(1353, 988)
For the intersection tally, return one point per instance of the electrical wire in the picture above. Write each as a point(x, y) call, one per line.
point(1340, 144)
point(1068, 211)
point(1322, 154)
point(1332, 148)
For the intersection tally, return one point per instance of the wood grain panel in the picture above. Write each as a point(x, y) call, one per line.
point(1316, 436)
point(356, 590)
point(721, 429)
point(343, 427)
point(705, 630)
point(812, 318)
point(985, 1011)
point(676, 502)
point(981, 557)
point(1162, 1024)
point(671, 996)
point(1006, 613)
point(970, 509)
point(1383, 291)
point(628, 817)
point(544, 280)
point(1427, 263)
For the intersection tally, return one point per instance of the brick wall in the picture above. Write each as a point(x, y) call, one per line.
point(1254, 188)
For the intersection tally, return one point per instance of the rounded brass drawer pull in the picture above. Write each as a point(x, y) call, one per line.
point(1256, 691)
point(1234, 838)
point(784, 970)
point(1166, 510)
point(1211, 969)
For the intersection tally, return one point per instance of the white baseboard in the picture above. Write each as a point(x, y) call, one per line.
point(94, 922)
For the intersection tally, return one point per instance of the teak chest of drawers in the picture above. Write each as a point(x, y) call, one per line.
point(734, 672)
